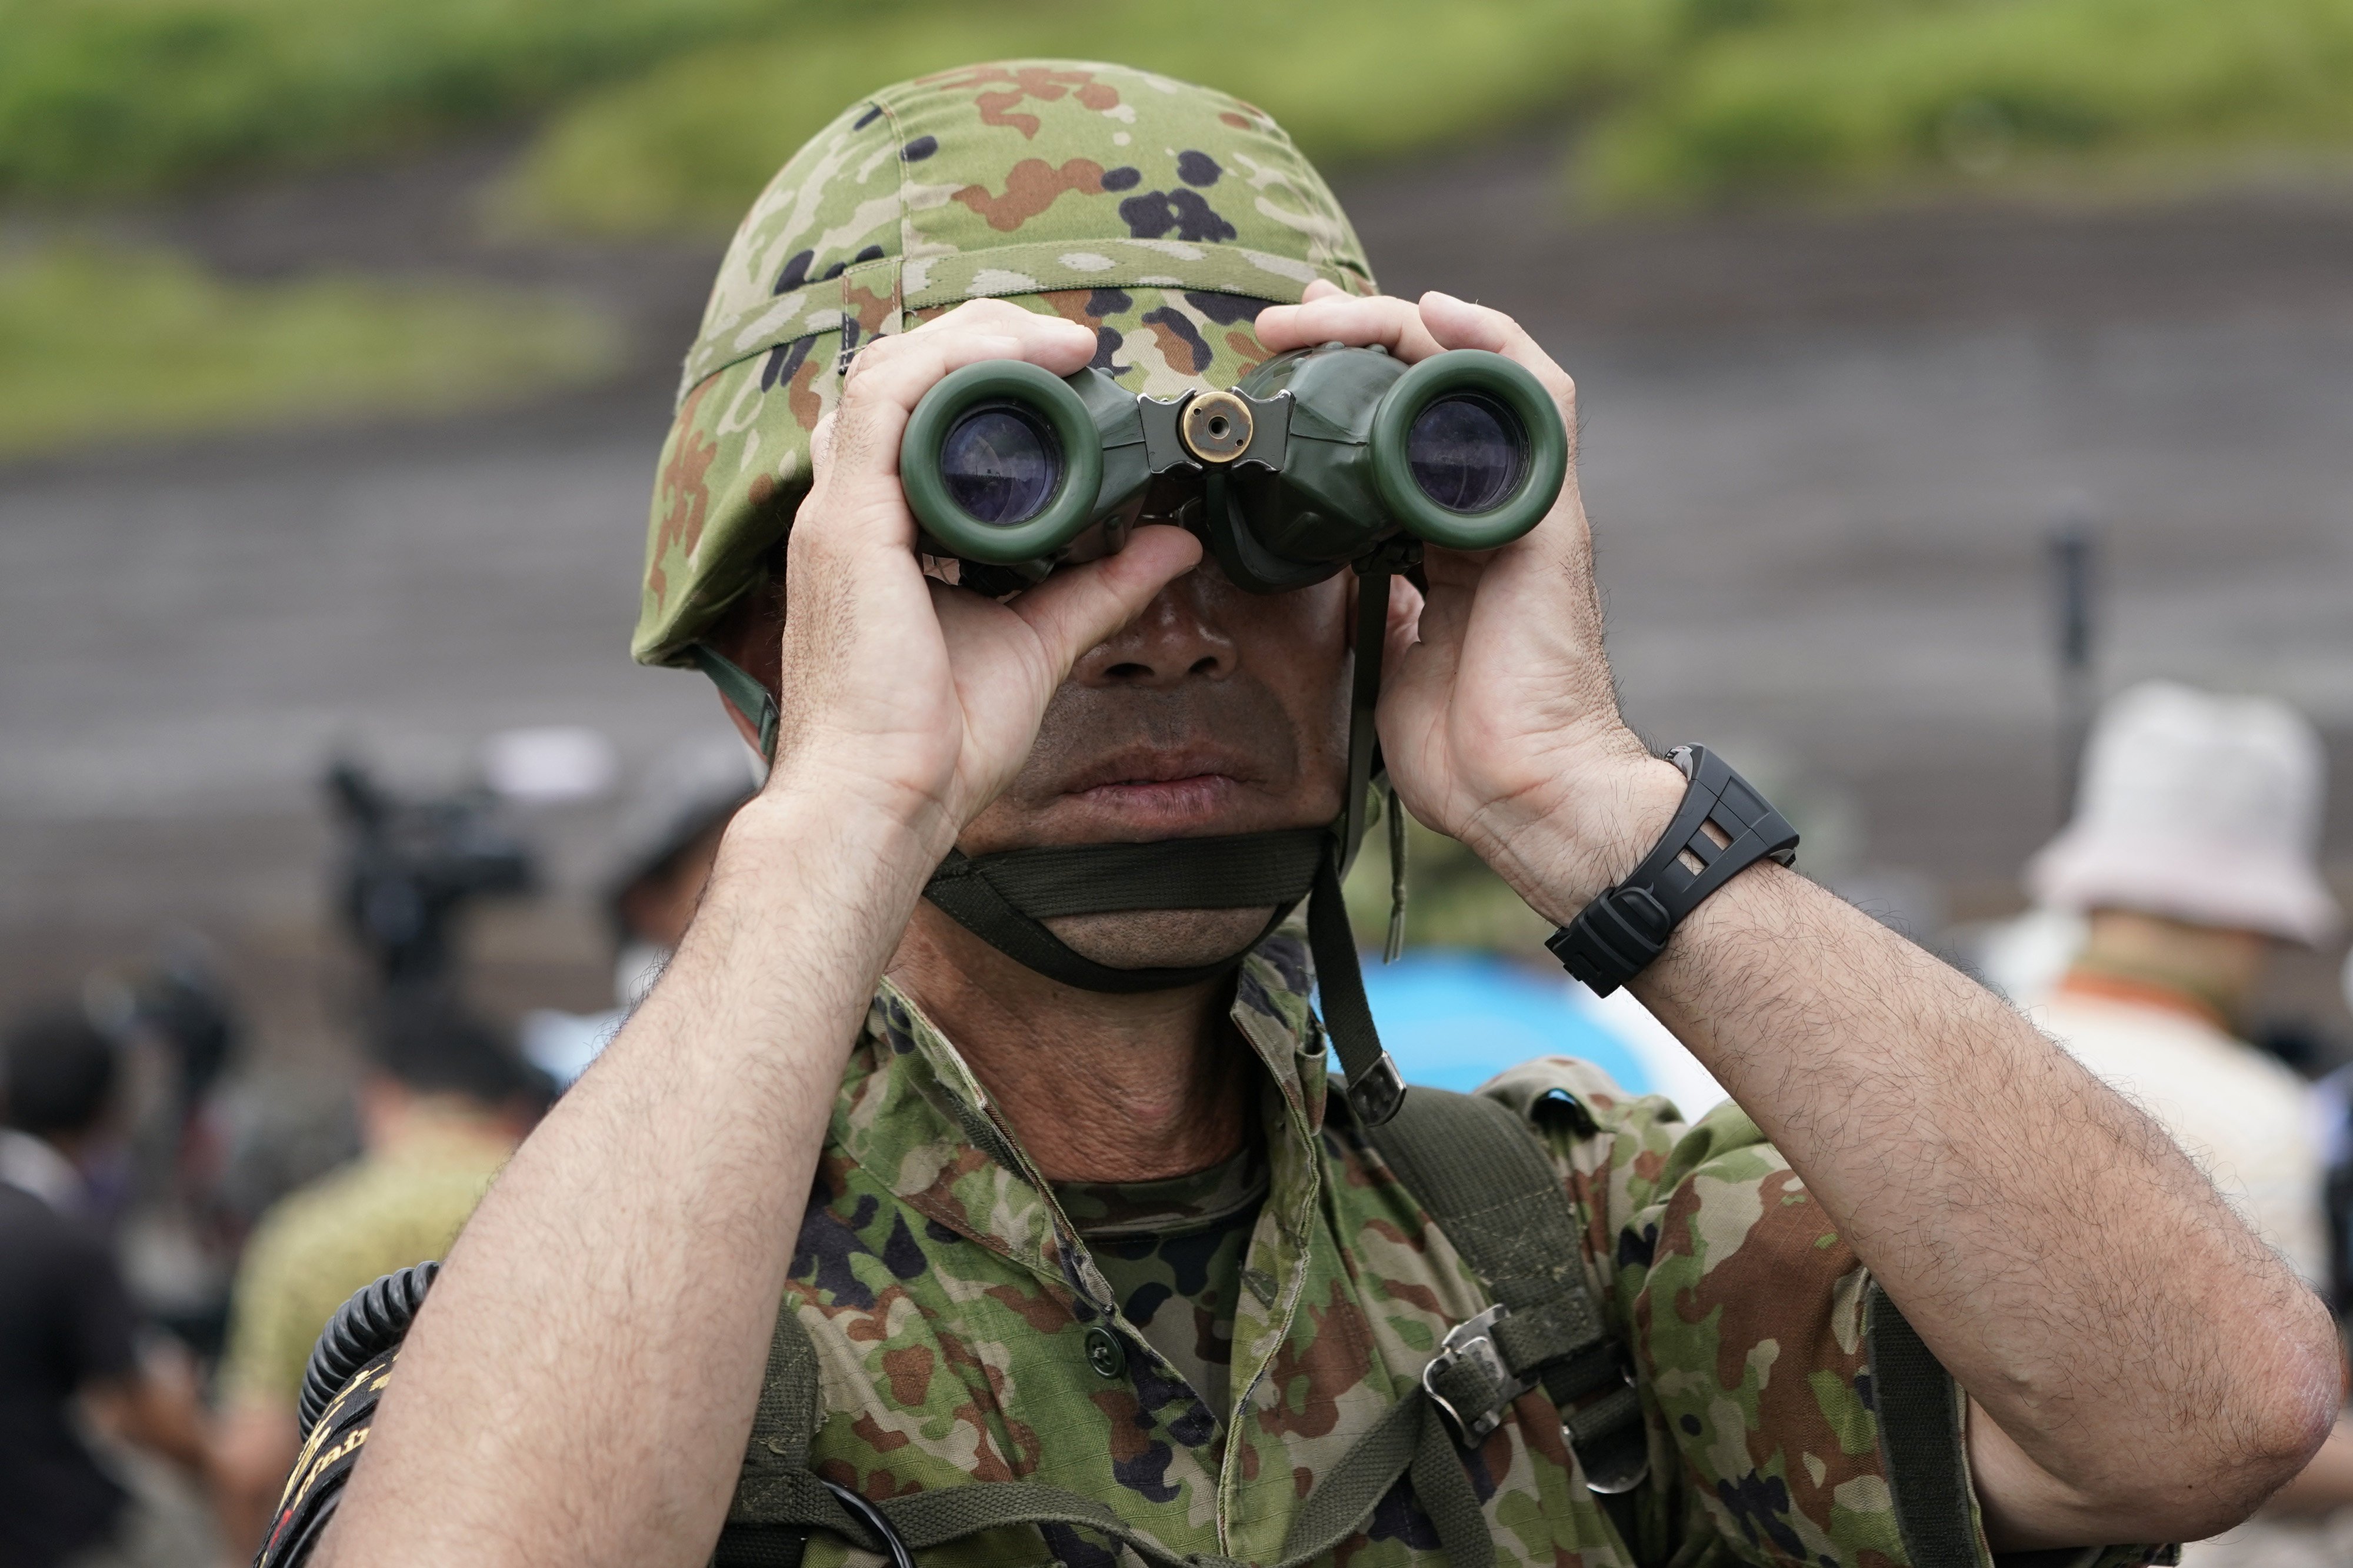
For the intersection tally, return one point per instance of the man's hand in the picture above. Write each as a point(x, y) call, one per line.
point(928, 697)
point(2141, 1368)
point(1497, 717)
point(620, 1281)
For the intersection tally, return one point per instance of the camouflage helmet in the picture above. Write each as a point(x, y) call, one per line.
point(1162, 216)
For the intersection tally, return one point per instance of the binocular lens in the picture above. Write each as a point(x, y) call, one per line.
point(1466, 452)
point(1000, 464)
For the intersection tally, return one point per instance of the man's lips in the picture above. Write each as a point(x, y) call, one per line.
point(1164, 792)
point(1143, 768)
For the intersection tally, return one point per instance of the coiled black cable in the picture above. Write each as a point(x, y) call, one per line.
point(373, 1322)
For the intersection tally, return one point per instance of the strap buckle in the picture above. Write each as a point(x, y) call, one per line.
point(874, 1520)
point(1607, 1438)
point(1376, 1092)
point(1468, 1380)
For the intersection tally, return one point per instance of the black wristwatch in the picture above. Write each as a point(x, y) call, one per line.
point(1723, 828)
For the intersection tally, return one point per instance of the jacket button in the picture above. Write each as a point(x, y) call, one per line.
point(1104, 1352)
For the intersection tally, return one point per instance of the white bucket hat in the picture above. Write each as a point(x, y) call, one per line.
point(2202, 807)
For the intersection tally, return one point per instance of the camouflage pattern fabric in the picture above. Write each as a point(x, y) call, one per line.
point(953, 1304)
point(1162, 216)
point(1172, 1252)
point(950, 1298)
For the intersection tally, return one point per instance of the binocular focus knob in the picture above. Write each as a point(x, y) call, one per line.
point(1215, 426)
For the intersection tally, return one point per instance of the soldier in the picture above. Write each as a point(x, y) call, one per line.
point(1104, 1267)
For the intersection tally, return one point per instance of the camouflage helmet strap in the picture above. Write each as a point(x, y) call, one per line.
point(745, 694)
point(1004, 898)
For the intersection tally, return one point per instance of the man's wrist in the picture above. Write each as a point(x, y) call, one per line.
point(804, 789)
point(1562, 850)
point(829, 824)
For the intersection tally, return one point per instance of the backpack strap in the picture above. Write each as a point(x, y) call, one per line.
point(1475, 1164)
point(778, 1498)
point(1923, 1439)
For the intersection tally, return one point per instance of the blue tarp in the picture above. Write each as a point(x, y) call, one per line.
point(1456, 1019)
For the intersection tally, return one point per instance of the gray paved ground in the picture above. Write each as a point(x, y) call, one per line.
point(1820, 452)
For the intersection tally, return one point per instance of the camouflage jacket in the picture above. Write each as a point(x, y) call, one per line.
point(949, 1298)
point(950, 1301)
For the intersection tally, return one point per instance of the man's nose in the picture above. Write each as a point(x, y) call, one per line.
point(1174, 639)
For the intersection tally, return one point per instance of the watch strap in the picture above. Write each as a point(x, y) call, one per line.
point(1723, 828)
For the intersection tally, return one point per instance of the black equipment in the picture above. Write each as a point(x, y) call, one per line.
point(408, 867)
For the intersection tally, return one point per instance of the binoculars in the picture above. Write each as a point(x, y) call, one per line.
point(1317, 459)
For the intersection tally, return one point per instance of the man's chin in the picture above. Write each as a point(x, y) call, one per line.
point(1161, 939)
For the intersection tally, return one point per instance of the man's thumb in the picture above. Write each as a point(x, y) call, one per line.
point(1079, 607)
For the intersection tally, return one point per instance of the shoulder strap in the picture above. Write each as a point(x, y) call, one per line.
point(778, 1498)
point(779, 1502)
point(1477, 1167)
point(1922, 1438)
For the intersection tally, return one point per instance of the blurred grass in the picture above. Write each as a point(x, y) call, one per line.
point(682, 148)
point(666, 115)
point(127, 97)
point(1684, 103)
point(102, 345)
point(1922, 97)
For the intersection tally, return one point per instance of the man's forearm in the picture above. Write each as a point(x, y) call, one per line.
point(2078, 1275)
point(580, 1387)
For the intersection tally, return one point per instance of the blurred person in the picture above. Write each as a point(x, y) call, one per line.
point(1047, 1214)
point(443, 1101)
point(69, 1342)
point(667, 839)
point(2190, 859)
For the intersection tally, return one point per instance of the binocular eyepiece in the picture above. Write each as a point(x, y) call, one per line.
point(1317, 459)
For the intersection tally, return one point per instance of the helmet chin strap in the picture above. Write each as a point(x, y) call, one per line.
point(1005, 899)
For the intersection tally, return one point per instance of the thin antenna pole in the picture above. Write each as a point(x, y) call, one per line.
point(2075, 550)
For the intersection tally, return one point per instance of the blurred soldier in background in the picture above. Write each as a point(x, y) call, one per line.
point(444, 1101)
point(68, 1330)
point(2190, 857)
point(669, 839)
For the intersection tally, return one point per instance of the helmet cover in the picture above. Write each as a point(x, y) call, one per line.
point(1162, 216)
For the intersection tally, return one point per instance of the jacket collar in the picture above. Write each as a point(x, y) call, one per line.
point(911, 1114)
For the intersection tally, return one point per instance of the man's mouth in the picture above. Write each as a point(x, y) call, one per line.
point(1165, 792)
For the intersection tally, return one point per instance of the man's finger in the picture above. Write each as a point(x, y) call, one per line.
point(1458, 324)
point(1079, 607)
point(1360, 320)
point(892, 375)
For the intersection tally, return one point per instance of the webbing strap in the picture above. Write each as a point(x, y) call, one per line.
point(1235, 872)
point(744, 694)
point(1005, 899)
point(1374, 1087)
point(777, 1496)
point(1474, 1165)
point(1921, 1438)
point(1409, 1438)
point(988, 895)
